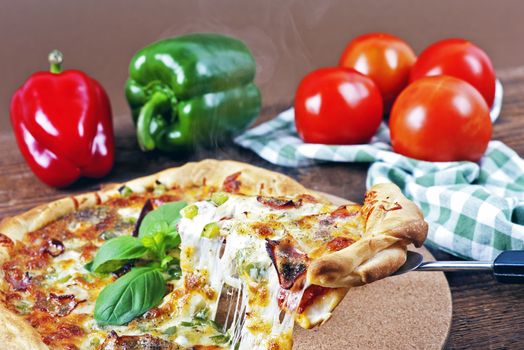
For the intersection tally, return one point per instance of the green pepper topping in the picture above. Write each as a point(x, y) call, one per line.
point(159, 189)
point(190, 211)
point(211, 230)
point(169, 331)
point(219, 198)
point(125, 191)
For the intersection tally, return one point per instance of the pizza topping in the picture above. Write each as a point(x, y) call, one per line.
point(211, 230)
point(130, 296)
point(190, 211)
point(19, 280)
point(125, 191)
point(290, 263)
point(53, 247)
point(57, 305)
point(310, 294)
point(342, 212)
point(143, 287)
point(263, 229)
point(116, 253)
point(159, 188)
point(64, 331)
point(219, 198)
point(339, 243)
point(136, 342)
point(148, 206)
point(231, 183)
point(5, 241)
point(279, 203)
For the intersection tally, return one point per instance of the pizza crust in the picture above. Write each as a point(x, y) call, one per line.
point(209, 172)
point(17, 334)
point(376, 257)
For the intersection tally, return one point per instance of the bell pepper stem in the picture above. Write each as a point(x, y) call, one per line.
point(55, 61)
point(145, 139)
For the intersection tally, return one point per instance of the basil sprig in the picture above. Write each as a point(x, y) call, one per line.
point(142, 288)
point(130, 296)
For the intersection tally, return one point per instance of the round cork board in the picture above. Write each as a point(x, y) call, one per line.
point(410, 311)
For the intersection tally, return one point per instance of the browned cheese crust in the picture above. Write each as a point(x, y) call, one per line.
point(377, 255)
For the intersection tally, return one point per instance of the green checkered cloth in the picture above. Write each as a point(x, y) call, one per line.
point(475, 210)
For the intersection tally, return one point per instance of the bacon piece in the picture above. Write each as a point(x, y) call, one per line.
point(135, 342)
point(279, 203)
point(148, 206)
point(57, 305)
point(342, 212)
point(263, 229)
point(290, 263)
point(310, 294)
point(231, 183)
point(53, 247)
point(88, 251)
point(5, 241)
point(339, 243)
point(63, 331)
point(19, 280)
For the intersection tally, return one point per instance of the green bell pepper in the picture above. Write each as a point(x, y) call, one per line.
point(195, 89)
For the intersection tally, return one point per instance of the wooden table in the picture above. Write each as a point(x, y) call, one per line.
point(485, 315)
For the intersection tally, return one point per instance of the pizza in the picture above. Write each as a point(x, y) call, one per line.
point(210, 255)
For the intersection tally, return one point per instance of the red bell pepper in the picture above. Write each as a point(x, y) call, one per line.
point(63, 125)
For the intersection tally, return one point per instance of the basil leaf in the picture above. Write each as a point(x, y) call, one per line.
point(89, 266)
point(130, 296)
point(116, 252)
point(163, 219)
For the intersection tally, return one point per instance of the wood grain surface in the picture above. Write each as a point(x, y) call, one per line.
point(486, 315)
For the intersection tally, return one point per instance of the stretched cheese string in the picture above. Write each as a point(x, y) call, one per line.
point(203, 255)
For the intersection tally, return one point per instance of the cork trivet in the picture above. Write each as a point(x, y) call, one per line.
point(411, 311)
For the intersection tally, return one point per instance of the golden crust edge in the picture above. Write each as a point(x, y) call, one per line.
point(17, 334)
point(212, 172)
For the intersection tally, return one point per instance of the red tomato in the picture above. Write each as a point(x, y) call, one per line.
point(337, 106)
point(384, 58)
point(461, 59)
point(440, 119)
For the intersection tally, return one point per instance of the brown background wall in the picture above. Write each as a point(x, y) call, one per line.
point(288, 37)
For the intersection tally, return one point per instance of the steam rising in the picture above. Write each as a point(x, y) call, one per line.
point(273, 34)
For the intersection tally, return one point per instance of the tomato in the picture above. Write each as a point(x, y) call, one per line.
point(384, 58)
point(461, 59)
point(440, 119)
point(337, 106)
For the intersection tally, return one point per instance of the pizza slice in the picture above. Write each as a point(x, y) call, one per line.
point(211, 255)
